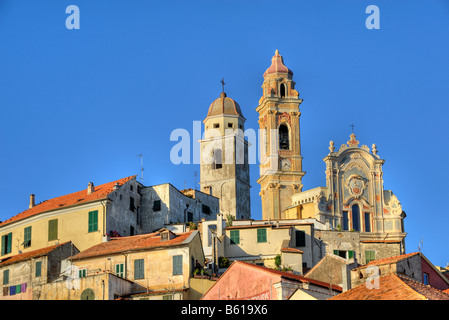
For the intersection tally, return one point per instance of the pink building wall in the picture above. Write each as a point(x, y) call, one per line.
point(435, 279)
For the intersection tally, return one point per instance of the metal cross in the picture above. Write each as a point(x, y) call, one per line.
point(352, 127)
point(222, 84)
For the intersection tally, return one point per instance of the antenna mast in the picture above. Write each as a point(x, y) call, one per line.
point(141, 167)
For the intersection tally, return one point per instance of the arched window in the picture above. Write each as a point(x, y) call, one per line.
point(283, 90)
point(283, 137)
point(217, 159)
point(356, 217)
point(88, 294)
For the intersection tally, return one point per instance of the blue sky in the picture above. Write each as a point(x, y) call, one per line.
point(80, 105)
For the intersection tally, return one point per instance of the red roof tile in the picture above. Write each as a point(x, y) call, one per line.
point(101, 192)
point(393, 287)
point(388, 260)
point(293, 250)
point(138, 242)
point(293, 276)
point(30, 254)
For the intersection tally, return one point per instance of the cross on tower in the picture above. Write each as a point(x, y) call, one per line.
point(352, 127)
point(222, 84)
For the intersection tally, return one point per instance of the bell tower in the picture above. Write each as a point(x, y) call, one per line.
point(281, 162)
point(224, 158)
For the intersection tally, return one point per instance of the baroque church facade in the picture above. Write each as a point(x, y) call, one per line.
point(352, 200)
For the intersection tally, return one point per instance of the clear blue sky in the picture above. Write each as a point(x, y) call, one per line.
point(80, 105)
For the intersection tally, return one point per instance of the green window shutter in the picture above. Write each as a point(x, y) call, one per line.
point(177, 265)
point(27, 237)
point(336, 252)
point(5, 276)
point(262, 235)
point(93, 221)
point(3, 244)
point(38, 268)
point(370, 256)
point(235, 236)
point(8, 248)
point(119, 269)
point(350, 254)
point(53, 229)
point(301, 239)
point(139, 272)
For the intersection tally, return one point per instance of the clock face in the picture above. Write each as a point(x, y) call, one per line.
point(286, 164)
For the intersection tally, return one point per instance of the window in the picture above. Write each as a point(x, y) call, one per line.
point(177, 265)
point(345, 220)
point(205, 209)
point(283, 137)
point(189, 216)
point(131, 230)
point(370, 255)
point(167, 297)
point(367, 222)
point(235, 236)
point(82, 273)
point(216, 125)
point(6, 276)
point(119, 270)
point(344, 254)
point(425, 278)
point(139, 271)
point(27, 237)
point(93, 221)
point(217, 159)
point(131, 204)
point(38, 267)
point(6, 243)
point(283, 90)
point(300, 238)
point(356, 217)
point(157, 205)
point(53, 229)
point(261, 235)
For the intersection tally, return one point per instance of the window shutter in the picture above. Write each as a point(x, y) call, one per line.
point(177, 265)
point(53, 229)
point(6, 276)
point(336, 252)
point(8, 250)
point(38, 268)
point(3, 244)
point(350, 254)
point(235, 237)
point(261, 235)
point(139, 269)
point(93, 221)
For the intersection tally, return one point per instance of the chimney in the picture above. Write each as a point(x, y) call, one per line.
point(116, 186)
point(32, 203)
point(90, 188)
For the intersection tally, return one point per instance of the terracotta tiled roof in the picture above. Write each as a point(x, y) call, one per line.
point(293, 250)
point(277, 65)
point(139, 242)
point(289, 275)
point(30, 254)
point(101, 192)
point(446, 291)
point(388, 260)
point(393, 287)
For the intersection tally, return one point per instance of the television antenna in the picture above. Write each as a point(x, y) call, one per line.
point(420, 244)
point(141, 167)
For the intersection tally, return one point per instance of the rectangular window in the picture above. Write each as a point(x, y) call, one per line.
point(139, 269)
point(370, 255)
point(5, 276)
point(261, 235)
point(206, 209)
point(131, 204)
point(345, 220)
point(177, 265)
point(356, 218)
point(93, 221)
point(53, 229)
point(83, 273)
point(27, 237)
point(38, 267)
point(157, 205)
point(235, 236)
point(425, 278)
point(6, 243)
point(300, 238)
point(119, 270)
point(367, 222)
point(340, 253)
point(189, 216)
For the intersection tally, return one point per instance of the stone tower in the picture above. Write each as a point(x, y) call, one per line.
point(224, 158)
point(281, 162)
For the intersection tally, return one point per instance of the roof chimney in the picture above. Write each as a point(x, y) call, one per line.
point(116, 186)
point(90, 188)
point(32, 203)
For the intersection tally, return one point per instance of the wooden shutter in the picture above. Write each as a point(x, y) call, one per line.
point(139, 272)
point(235, 236)
point(38, 268)
point(6, 276)
point(53, 229)
point(261, 235)
point(350, 254)
point(177, 265)
point(27, 237)
point(93, 221)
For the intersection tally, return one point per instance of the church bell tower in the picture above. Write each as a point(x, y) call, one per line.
point(224, 158)
point(281, 162)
